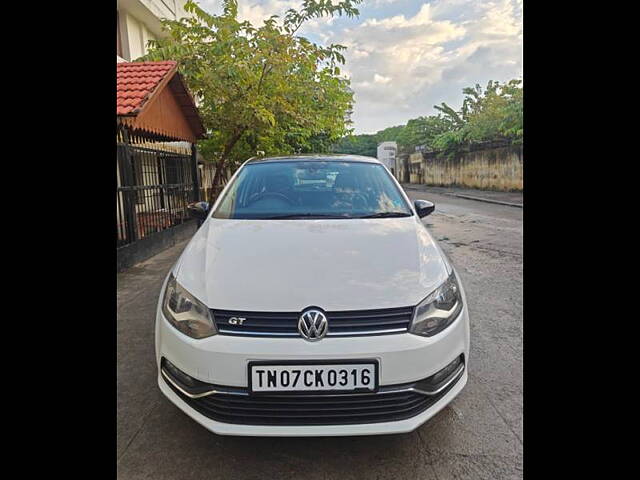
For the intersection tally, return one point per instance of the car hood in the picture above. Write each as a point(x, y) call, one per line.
point(288, 265)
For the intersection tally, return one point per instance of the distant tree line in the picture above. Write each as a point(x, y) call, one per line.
point(490, 114)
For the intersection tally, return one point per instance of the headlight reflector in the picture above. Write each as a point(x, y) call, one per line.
point(187, 313)
point(439, 309)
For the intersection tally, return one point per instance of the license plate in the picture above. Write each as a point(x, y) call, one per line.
point(340, 376)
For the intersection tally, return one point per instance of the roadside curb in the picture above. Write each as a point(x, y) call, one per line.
point(487, 200)
point(468, 197)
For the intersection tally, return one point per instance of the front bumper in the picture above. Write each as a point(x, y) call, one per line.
point(223, 360)
point(401, 426)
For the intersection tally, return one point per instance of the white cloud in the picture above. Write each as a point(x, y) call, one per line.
point(380, 79)
point(380, 2)
point(256, 11)
point(357, 53)
point(423, 17)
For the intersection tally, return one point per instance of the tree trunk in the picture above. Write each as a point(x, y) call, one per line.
point(215, 190)
point(213, 193)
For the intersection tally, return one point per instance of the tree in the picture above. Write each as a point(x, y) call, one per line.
point(418, 131)
point(494, 113)
point(389, 134)
point(260, 88)
point(422, 131)
point(357, 145)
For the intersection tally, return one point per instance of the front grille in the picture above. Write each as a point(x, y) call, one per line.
point(388, 405)
point(345, 323)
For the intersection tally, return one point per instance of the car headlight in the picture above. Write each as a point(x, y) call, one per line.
point(439, 309)
point(187, 313)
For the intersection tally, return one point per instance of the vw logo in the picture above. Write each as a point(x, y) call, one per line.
point(313, 325)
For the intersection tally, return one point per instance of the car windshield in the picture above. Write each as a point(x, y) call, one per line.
point(312, 189)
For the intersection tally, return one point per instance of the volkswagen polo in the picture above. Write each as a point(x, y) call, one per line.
point(312, 301)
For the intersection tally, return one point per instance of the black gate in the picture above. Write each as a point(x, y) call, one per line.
point(155, 185)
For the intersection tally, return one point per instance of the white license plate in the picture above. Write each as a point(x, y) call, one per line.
point(304, 377)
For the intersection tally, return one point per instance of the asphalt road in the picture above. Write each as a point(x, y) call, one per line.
point(478, 436)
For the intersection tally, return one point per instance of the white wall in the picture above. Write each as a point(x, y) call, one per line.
point(134, 36)
point(139, 22)
point(386, 154)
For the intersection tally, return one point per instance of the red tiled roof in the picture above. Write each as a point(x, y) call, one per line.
point(137, 81)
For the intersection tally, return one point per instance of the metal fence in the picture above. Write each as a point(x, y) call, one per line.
point(155, 184)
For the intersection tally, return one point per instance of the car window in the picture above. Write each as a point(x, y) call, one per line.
point(308, 189)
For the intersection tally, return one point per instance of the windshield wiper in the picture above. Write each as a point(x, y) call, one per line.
point(301, 215)
point(386, 215)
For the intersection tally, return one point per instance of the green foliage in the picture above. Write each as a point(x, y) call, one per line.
point(389, 133)
point(422, 131)
point(357, 145)
point(260, 88)
point(493, 113)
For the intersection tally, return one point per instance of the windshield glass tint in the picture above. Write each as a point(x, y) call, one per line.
point(309, 189)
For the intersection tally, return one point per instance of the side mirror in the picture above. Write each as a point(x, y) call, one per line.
point(198, 210)
point(424, 207)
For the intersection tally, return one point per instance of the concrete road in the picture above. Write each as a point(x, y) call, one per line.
point(478, 436)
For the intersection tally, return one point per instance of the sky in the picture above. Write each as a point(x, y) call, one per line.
point(405, 56)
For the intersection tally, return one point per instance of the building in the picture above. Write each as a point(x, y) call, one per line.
point(416, 168)
point(402, 167)
point(387, 152)
point(158, 125)
point(139, 22)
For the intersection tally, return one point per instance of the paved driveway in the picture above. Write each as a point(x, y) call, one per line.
point(478, 436)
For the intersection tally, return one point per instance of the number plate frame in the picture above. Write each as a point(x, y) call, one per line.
point(319, 363)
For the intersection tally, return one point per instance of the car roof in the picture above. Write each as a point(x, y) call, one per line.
point(314, 157)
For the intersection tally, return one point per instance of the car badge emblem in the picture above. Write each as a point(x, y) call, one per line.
point(313, 325)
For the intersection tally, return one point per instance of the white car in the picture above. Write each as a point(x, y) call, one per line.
point(312, 301)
